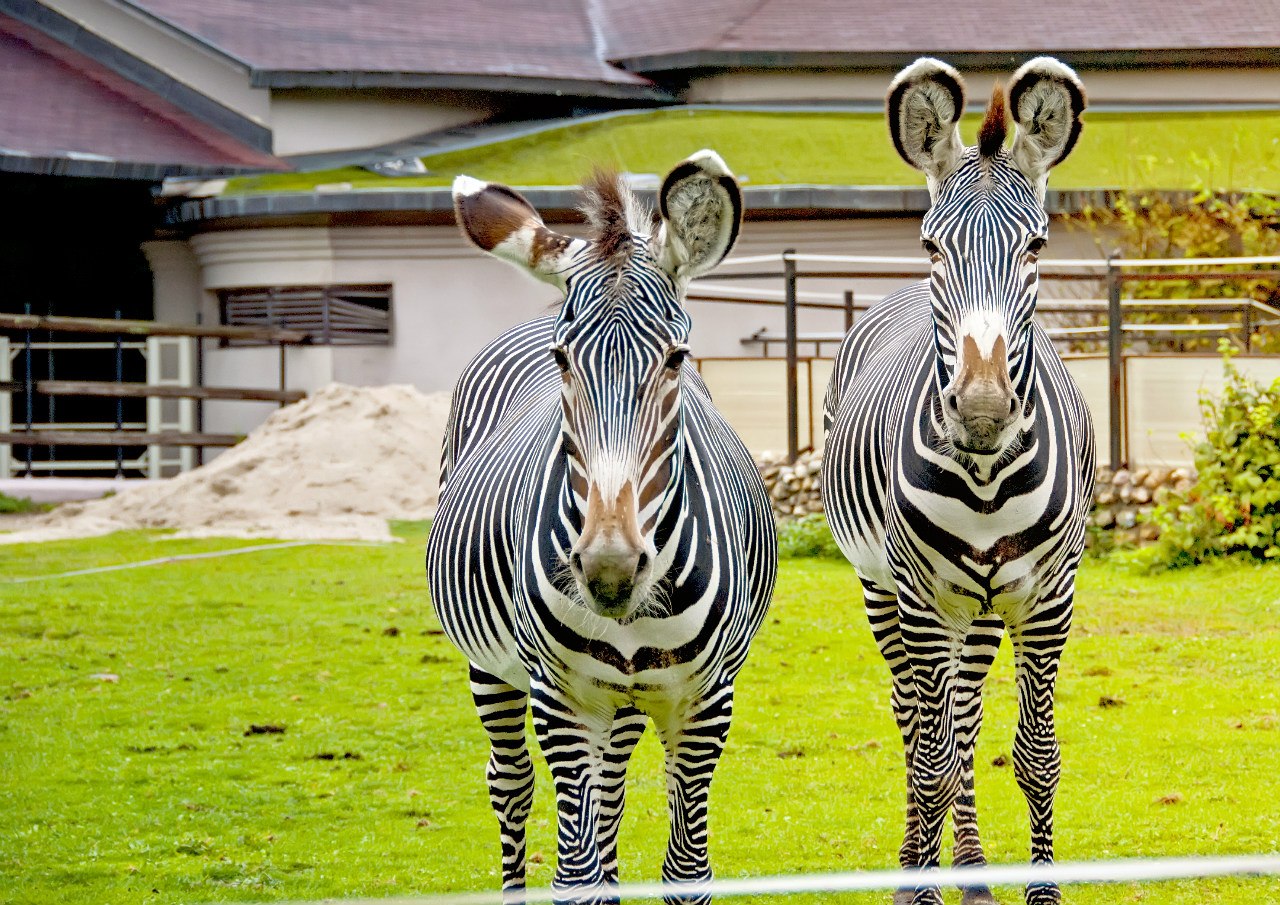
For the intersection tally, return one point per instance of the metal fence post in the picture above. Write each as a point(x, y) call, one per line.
point(793, 406)
point(119, 400)
point(1246, 325)
point(29, 388)
point(1115, 363)
point(848, 310)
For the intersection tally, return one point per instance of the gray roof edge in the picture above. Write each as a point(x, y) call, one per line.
point(895, 59)
point(844, 199)
point(106, 168)
point(139, 71)
point(306, 78)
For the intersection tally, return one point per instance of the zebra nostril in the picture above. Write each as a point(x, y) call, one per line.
point(641, 562)
point(575, 560)
point(953, 401)
point(1013, 406)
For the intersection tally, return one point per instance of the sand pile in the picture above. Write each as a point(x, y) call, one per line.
point(336, 465)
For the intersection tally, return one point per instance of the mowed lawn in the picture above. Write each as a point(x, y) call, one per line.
point(129, 771)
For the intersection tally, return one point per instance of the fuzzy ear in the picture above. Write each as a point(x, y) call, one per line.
point(1046, 99)
point(701, 208)
point(500, 221)
point(926, 101)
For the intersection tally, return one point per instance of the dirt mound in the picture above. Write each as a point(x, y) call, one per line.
point(336, 465)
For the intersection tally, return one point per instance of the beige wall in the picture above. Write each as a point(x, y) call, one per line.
point(305, 122)
point(1186, 85)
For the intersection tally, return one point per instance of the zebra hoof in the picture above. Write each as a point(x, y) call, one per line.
point(1043, 894)
point(978, 895)
point(926, 896)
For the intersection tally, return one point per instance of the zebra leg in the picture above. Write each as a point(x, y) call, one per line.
point(1037, 759)
point(693, 746)
point(571, 741)
point(933, 650)
point(980, 650)
point(510, 772)
point(882, 613)
point(628, 726)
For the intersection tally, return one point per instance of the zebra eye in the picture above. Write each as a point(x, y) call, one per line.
point(561, 359)
point(1036, 245)
point(676, 357)
point(931, 248)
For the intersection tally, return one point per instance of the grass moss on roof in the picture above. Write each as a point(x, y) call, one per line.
point(1237, 150)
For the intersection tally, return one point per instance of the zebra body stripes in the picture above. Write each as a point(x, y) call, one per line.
point(604, 549)
point(959, 458)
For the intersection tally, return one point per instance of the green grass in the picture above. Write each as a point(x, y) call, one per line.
point(1236, 150)
point(146, 788)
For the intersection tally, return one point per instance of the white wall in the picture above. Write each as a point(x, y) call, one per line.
point(307, 121)
point(1183, 85)
point(449, 300)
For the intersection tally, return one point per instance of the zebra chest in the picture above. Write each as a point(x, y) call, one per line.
point(594, 651)
point(974, 555)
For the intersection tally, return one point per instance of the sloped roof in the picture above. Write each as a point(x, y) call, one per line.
point(86, 120)
point(400, 42)
point(776, 32)
point(599, 45)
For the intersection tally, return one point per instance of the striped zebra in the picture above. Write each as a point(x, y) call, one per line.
point(960, 455)
point(604, 549)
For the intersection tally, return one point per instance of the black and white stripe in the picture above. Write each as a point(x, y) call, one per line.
point(555, 416)
point(965, 515)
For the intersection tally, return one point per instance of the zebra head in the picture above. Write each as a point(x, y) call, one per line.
point(620, 344)
point(983, 233)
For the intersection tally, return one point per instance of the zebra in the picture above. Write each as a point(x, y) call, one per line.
point(604, 549)
point(959, 460)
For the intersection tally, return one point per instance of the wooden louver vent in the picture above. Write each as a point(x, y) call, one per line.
point(336, 315)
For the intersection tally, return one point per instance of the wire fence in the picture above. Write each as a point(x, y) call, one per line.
point(791, 267)
point(1261, 868)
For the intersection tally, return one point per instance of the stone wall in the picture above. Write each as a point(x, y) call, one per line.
point(1120, 499)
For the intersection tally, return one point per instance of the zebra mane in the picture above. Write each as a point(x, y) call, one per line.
point(613, 214)
point(995, 125)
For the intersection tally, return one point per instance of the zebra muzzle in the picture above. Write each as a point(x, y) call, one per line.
point(609, 577)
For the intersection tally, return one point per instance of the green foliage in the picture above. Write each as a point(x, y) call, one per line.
point(813, 147)
point(1234, 506)
point(11, 505)
point(807, 537)
point(1208, 225)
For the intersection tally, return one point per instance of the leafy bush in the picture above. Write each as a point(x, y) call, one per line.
point(1208, 225)
point(809, 536)
point(10, 504)
point(1234, 506)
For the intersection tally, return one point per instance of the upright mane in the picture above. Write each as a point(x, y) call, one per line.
point(995, 124)
point(614, 215)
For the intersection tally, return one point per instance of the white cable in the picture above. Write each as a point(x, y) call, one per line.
point(184, 557)
point(1120, 871)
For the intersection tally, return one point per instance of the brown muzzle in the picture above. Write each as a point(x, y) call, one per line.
point(610, 554)
point(981, 397)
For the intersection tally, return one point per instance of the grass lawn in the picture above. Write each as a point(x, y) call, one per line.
point(1170, 150)
point(127, 776)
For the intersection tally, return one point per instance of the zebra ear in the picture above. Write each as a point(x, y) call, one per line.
point(499, 220)
point(701, 208)
point(926, 101)
point(1046, 98)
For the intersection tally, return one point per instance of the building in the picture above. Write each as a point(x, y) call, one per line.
point(229, 161)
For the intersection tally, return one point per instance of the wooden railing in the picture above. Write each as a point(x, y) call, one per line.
point(52, 435)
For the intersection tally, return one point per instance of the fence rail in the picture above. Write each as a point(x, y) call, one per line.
point(1112, 272)
point(171, 440)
